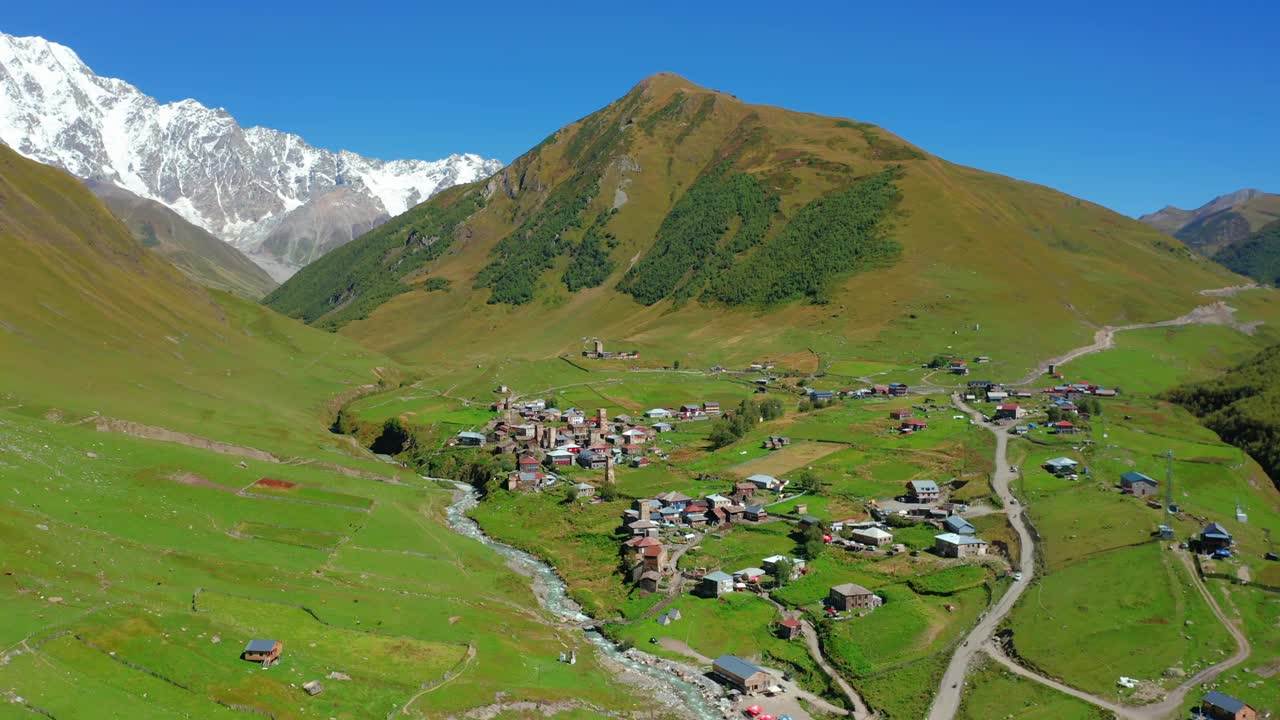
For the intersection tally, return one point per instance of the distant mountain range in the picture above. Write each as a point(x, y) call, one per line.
point(269, 193)
point(1224, 220)
point(1240, 230)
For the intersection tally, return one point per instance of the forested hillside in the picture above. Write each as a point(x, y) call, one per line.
point(1258, 256)
point(1243, 406)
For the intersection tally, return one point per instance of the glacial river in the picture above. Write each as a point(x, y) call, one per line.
point(553, 594)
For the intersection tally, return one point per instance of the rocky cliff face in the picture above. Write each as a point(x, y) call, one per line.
point(241, 184)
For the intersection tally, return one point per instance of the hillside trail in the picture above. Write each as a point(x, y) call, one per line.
point(1218, 313)
point(947, 701)
point(810, 635)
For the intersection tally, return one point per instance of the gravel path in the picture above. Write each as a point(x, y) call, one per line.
point(947, 701)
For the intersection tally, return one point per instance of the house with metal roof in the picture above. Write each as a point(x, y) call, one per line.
point(592, 460)
point(954, 545)
point(467, 438)
point(1214, 537)
point(959, 526)
point(871, 536)
point(789, 628)
point(266, 652)
point(923, 490)
point(674, 499)
point(1219, 706)
point(1061, 465)
point(715, 584)
point(1138, 485)
point(740, 674)
point(764, 482)
point(851, 596)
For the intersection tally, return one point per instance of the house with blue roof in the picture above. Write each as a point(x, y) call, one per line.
point(740, 674)
point(1214, 537)
point(959, 526)
point(1220, 706)
point(1138, 485)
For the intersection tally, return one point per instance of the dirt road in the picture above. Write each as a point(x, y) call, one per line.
point(1218, 313)
point(1173, 701)
point(810, 635)
point(980, 639)
point(947, 701)
point(785, 701)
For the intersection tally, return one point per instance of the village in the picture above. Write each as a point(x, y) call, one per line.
point(796, 582)
point(668, 539)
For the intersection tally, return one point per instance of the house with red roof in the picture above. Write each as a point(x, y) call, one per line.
point(1010, 411)
point(789, 628)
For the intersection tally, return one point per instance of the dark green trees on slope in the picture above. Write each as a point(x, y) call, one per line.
point(1242, 406)
point(1258, 256)
point(350, 282)
point(691, 244)
point(831, 237)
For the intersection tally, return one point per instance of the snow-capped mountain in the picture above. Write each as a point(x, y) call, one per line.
point(244, 185)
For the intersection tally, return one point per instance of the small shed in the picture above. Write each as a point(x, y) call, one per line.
point(1061, 466)
point(266, 652)
point(789, 628)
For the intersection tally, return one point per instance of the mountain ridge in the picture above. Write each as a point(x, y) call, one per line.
point(553, 247)
point(192, 249)
point(1220, 223)
point(234, 182)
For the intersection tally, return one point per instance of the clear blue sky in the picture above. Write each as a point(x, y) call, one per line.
point(1133, 105)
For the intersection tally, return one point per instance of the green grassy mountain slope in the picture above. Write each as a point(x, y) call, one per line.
point(135, 568)
point(206, 259)
point(93, 322)
point(1257, 256)
point(1222, 222)
point(681, 221)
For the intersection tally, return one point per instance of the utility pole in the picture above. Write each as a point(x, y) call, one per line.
point(1168, 486)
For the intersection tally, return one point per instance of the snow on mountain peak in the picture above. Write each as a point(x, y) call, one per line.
point(238, 183)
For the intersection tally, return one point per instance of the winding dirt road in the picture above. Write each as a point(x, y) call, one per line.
point(980, 639)
point(947, 701)
point(1218, 313)
point(1174, 699)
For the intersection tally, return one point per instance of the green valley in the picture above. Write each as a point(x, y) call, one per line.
point(698, 406)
